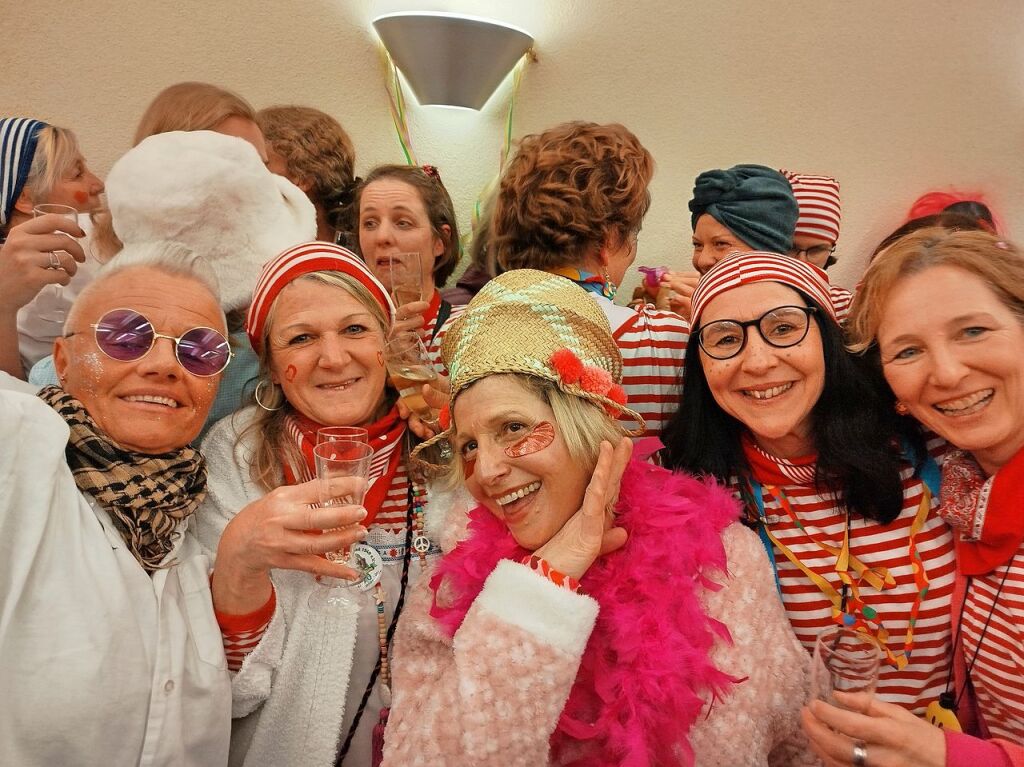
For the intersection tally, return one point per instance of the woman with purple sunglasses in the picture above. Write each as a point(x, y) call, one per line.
point(111, 649)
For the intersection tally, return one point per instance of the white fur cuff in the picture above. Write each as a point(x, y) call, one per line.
point(559, 617)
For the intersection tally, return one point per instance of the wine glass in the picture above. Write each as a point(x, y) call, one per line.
point(53, 307)
point(409, 368)
point(402, 275)
point(341, 434)
point(336, 463)
point(844, 660)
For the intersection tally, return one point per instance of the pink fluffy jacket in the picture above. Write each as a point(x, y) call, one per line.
point(677, 653)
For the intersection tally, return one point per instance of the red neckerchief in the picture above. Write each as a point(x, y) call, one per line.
point(384, 436)
point(769, 470)
point(994, 507)
point(431, 314)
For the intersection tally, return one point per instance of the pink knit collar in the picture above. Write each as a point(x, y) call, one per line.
point(646, 672)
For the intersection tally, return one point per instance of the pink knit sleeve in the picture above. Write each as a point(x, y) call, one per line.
point(968, 751)
point(491, 696)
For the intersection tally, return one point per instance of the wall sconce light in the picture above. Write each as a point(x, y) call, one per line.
point(450, 59)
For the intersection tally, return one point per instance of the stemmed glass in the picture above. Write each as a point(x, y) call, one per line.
point(341, 434)
point(55, 311)
point(409, 368)
point(845, 661)
point(402, 275)
point(337, 462)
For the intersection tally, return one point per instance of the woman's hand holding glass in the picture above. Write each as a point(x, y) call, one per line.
point(38, 253)
point(889, 735)
point(681, 286)
point(270, 533)
point(591, 531)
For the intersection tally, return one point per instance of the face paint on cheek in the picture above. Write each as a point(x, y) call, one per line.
point(290, 372)
point(81, 197)
point(542, 435)
point(468, 467)
point(380, 358)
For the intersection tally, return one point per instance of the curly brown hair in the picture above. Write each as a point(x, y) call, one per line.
point(566, 191)
point(439, 206)
point(317, 151)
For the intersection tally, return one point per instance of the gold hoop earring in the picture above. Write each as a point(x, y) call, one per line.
point(901, 409)
point(256, 394)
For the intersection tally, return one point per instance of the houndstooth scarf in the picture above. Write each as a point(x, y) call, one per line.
point(145, 495)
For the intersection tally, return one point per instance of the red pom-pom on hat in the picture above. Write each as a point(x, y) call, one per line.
point(596, 380)
point(617, 394)
point(567, 365)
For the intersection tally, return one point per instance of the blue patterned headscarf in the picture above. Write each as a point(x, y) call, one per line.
point(18, 138)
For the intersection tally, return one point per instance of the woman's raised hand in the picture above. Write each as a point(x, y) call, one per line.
point(890, 735)
point(435, 394)
point(591, 531)
point(31, 255)
point(283, 530)
point(681, 285)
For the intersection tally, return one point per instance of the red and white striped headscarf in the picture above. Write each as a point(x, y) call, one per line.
point(305, 259)
point(818, 198)
point(739, 269)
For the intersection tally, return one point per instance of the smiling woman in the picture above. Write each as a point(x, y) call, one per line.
point(318, 322)
point(105, 591)
point(944, 313)
point(840, 489)
point(584, 617)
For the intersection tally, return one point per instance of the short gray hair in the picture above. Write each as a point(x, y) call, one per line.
point(168, 257)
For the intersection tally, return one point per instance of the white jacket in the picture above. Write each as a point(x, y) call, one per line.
point(100, 663)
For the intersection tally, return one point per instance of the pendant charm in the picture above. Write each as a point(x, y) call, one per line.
point(942, 713)
point(421, 544)
point(366, 560)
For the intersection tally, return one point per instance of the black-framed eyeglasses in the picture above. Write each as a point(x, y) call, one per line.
point(814, 253)
point(126, 335)
point(780, 327)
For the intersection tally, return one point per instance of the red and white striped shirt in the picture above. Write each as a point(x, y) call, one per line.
point(433, 340)
point(999, 666)
point(653, 345)
point(876, 545)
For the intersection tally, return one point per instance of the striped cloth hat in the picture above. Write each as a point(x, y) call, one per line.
point(820, 209)
point(18, 138)
point(747, 268)
point(301, 260)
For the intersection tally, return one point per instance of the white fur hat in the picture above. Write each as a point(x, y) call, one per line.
point(214, 194)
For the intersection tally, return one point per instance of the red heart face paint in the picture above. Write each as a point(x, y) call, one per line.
point(468, 467)
point(540, 437)
point(81, 197)
point(380, 358)
point(290, 372)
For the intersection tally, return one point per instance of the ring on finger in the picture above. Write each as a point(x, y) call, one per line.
point(860, 754)
point(54, 261)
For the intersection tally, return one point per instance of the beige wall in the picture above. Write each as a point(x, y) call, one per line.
point(893, 98)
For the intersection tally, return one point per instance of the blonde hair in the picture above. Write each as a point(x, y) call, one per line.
point(998, 263)
point(272, 444)
point(191, 106)
point(317, 151)
point(581, 424)
point(56, 153)
point(187, 106)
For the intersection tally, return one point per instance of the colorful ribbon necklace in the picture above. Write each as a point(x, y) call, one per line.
point(589, 281)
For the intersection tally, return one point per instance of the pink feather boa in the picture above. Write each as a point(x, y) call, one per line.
point(646, 670)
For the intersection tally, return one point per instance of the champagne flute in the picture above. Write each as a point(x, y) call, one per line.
point(53, 308)
point(409, 368)
point(341, 434)
point(403, 277)
point(844, 660)
point(337, 462)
